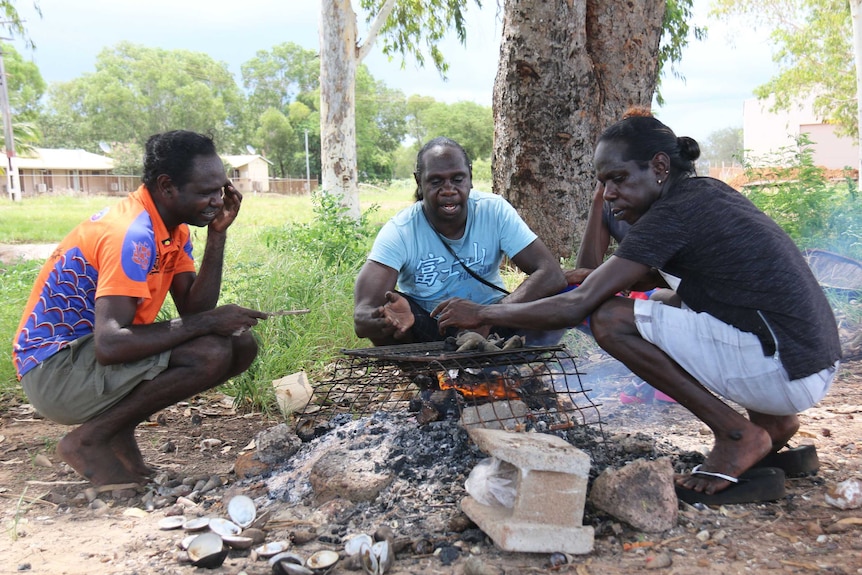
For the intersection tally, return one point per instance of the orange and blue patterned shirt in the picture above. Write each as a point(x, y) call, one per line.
point(125, 250)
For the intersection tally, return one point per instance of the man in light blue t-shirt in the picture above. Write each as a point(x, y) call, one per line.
point(450, 243)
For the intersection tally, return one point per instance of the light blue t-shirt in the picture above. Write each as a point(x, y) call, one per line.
point(428, 272)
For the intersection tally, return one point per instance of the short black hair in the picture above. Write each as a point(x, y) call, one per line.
point(420, 158)
point(643, 136)
point(173, 153)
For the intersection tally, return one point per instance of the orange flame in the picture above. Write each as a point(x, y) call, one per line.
point(495, 390)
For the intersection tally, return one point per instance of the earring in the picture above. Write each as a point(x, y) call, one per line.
point(658, 182)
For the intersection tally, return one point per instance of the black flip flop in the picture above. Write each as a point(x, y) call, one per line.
point(794, 461)
point(754, 486)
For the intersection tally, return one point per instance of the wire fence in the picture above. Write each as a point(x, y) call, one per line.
point(74, 183)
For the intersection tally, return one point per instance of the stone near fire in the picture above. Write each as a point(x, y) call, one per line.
point(340, 473)
point(551, 492)
point(641, 494)
point(276, 444)
point(494, 414)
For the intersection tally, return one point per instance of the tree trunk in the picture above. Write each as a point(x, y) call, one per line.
point(338, 62)
point(568, 69)
point(856, 16)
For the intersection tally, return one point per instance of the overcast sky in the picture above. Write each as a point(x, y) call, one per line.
point(720, 73)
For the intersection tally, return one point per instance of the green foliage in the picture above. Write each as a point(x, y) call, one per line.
point(16, 280)
point(25, 84)
point(128, 157)
point(339, 242)
point(137, 91)
point(468, 123)
point(675, 31)
point(813, 42)
point(414, 24)
point(814, 211)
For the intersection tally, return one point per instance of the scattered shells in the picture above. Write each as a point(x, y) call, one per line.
point(237, 541)
point(270, 549)
point(322, 560)
point(224, 527)
point(241, 510)
point(197, 524)
point(174, 522)
point(207, 550)
point(354, 543)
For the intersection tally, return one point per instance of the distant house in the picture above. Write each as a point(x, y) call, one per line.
point(60, 171)
point(249, 173)
point(766, 133)
point(63, 171)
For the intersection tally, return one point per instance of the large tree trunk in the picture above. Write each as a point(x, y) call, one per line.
point(568, 69)
point(338, 62)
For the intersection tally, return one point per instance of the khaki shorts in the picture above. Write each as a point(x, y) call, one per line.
point(71, 387)
point(728, 361)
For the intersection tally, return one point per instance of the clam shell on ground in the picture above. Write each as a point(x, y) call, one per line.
point(241, 510)
point(273, 548)
point(184, 544)
point(237, 541)
point(322, 560)
point(172, 522)
point(224, 527)
point(354, 543)
point(196, 524)
point(207, 550)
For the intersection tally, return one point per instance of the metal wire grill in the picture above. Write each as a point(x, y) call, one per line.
point(526, 389)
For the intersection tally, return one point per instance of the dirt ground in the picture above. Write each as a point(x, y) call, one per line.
point(49, 525)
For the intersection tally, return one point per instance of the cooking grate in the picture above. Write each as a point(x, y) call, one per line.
point(525, 389)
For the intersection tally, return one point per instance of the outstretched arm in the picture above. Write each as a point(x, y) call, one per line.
point(561, 311)
point(118, 340)
point(372, 295)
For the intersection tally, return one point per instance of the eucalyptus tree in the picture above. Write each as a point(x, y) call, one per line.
point(405, 27)
point(566, 71)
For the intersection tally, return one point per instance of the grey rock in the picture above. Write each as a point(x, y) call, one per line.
point(641, 494)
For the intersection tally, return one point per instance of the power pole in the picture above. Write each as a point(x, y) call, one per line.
point(307, 169)
point(13, 180)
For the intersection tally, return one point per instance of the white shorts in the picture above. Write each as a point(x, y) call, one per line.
point(727, 361)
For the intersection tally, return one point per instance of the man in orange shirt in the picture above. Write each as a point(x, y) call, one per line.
point(87, 350)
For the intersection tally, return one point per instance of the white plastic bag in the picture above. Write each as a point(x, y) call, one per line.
point(493, 482)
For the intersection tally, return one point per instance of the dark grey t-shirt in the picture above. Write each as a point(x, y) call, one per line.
point(739, 266)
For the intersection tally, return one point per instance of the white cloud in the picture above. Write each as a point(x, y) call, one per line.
point(720, 72)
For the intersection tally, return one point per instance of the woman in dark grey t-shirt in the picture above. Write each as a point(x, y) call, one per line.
point(754, 326)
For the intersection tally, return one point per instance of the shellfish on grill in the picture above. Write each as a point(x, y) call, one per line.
point(241, 510)
point(207, 550)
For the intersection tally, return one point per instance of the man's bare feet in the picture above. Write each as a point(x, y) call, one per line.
point(731, 457)
point(96, 462)
point(127, 451)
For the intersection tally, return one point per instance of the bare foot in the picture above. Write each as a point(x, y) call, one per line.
point(126, 449)
point(731, 457)
point(96, 462)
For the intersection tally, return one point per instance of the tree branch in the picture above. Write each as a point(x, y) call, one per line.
point(363, 50)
